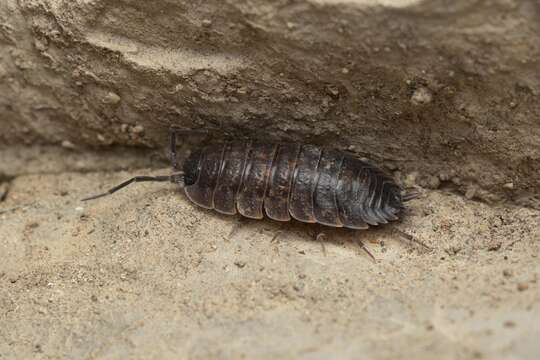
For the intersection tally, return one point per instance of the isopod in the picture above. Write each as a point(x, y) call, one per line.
point(285, 181)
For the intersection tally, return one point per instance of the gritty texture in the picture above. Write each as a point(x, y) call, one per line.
point(145, 274)
point(443, 94)
point(439, 87)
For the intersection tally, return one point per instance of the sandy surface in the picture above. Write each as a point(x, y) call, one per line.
point(145, 274)
point(439, 86)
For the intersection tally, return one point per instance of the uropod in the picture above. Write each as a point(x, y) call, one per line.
point(285, 181)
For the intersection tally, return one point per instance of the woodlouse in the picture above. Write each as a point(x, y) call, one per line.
point(306, 182)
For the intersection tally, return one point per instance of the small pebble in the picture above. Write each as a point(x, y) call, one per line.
point(509, 324)
point(509, 185)
point(446, 175)
point(522, 286)
point(111, 98)
point(421, 96)
point(139, 129)
point(79, 209)
point(345, 71)
point(206, 23)
point(411, 179)
point(67, 144)
point(434, 183)
point(240, 264)
point(507, 272)
point(42, 310)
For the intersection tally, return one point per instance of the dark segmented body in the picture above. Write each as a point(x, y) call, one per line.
point(305, 182)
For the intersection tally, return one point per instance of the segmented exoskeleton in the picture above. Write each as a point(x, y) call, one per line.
point(284, 180)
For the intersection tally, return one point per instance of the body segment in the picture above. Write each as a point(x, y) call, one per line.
point(276, 203)
point(250, 198)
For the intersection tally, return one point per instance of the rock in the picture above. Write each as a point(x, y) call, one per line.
point(111, 98)
point(446, 175)
point(67, 144)
point(411, 179)
point(421, 96)
point(522, 286)
point(507, 273)
point(240, 264)
point(139, 129)
point(413, 104)
point(509, 186)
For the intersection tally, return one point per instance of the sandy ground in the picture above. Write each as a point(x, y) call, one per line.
point(145, 274)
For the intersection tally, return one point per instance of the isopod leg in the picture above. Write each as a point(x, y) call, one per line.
point(410, 238)
point(321, 237)
point(363, 247)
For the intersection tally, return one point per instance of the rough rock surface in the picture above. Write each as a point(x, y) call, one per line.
point(441, 87)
